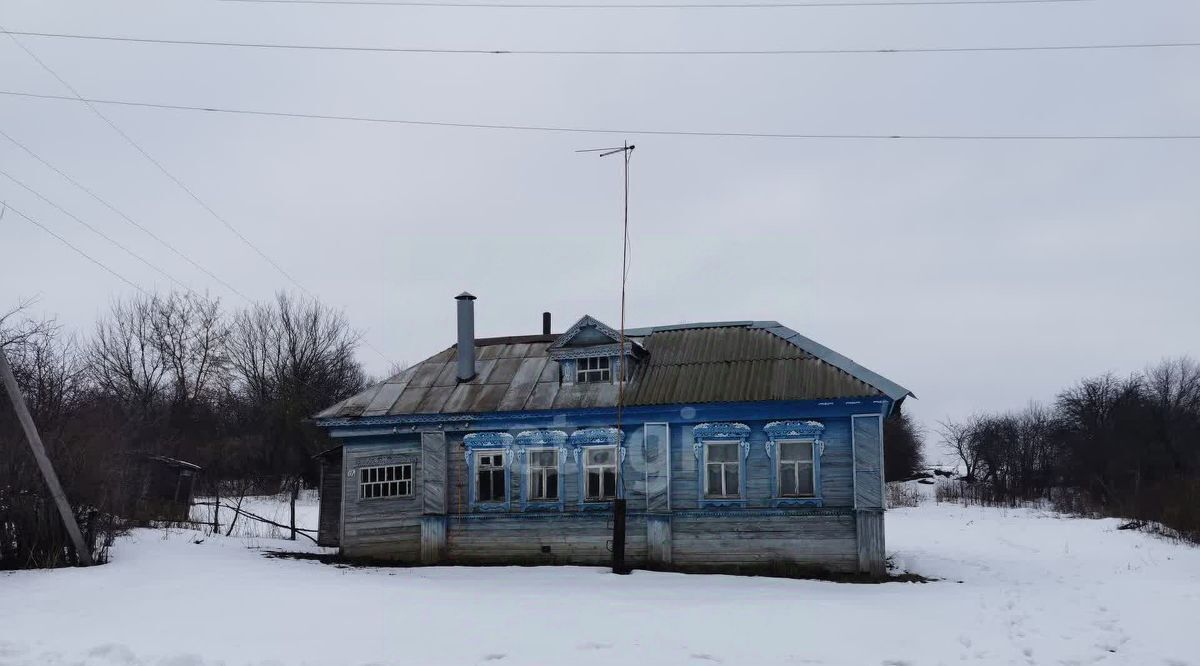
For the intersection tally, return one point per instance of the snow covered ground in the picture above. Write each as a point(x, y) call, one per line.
point(1019, 587)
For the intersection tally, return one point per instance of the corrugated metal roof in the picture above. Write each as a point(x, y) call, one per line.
point(689, 363)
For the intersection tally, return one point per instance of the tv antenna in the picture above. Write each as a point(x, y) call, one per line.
point(619, 567)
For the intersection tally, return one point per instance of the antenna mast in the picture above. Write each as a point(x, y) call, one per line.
point(618, 541)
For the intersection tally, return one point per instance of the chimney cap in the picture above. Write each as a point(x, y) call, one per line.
point(465, 296)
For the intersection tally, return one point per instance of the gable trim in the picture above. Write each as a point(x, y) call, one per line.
point(584, 322)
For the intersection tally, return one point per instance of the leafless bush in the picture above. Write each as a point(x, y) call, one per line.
point(901, 494)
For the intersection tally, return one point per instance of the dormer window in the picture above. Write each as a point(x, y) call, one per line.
point(592, 353)
point(595, 369)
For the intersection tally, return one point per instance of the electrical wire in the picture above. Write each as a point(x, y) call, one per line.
point(644, 132)
point(128, 139)
point(104, 202)
point(170, 175)
point(606, 52)
point(96, 231)
point(452, 4)
point(85, 255)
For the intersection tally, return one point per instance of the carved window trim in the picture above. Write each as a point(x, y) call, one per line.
point(780, 432)
point(488, 442)
point(720, 433)
point(593, 438)
point(541, 440)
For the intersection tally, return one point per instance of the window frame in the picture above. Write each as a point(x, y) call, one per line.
point(492, 468)
point(737, 455)
point(584, 375)
point(529, 475)
point(615, 465)
point(723, 433)
point(812, 466)
point(489, 442)
point(780, 432)
point(361, 474)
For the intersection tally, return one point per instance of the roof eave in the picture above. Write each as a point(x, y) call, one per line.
point(886, 386)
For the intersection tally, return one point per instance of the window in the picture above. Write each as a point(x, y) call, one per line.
point(722, 476)
point(389, 481)
point(543, 474)
point(600, 471)
point(796, 477)
point(593, 370)
point(489, 477)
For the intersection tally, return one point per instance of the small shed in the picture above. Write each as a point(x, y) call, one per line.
point(162, 487)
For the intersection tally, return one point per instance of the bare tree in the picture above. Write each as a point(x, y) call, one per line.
point(958, 438)
point(190, 336)
point(125, 358)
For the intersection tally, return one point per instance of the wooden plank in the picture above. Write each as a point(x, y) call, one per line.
point(329, 511)
point(868, 475)
point(433, 539)
point(658, 539)
point(433, 472)
point(871, 545)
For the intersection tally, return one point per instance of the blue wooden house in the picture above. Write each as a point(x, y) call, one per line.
point(741, 446)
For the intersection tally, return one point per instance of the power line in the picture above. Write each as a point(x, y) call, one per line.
point(94, 230)
point(128, 139)
point(108, 205)
point(452, 4)
point(607, 52)
point(85, 255)
point(644, 132)
point(104, 202)
point(170, 175)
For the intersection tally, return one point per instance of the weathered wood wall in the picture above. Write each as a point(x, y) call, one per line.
point(816, 538)
point(666, 525)
point(837, 468)
point(583, 538)
point(871, 551)
point(385, 528)
point(329, 511)
point(868, 462)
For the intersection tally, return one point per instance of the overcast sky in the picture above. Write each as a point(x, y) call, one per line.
point(978, 274)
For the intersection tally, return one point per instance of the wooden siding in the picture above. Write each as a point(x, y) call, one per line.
point(329, 511)
point(837, 487)
point(433, 473)
point(385, 528)
point(871, 545)
point(578, 538)
point(819, 538)
point(868, 459)
point(658, 540)
point(433, 539)
point(436, 525)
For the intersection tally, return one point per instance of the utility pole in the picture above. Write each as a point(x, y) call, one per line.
point(82, 552)
point(619, 508)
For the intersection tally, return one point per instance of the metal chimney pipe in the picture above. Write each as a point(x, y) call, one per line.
point(545, 323)
point(466, 336)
